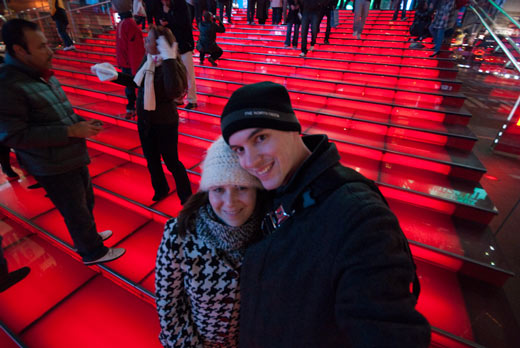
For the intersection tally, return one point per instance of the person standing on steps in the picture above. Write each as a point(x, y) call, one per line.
point(335, 269)
point(59, 15)
point(129, 48)
point(160, 79)
point(174, 15)
point(37, 120)
point(312, 11)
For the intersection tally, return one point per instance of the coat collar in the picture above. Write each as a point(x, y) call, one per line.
point(324, 155)
point(12, 61)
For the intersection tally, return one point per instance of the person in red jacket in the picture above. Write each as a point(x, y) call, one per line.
point(129, 48)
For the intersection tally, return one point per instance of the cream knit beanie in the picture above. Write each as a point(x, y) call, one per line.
point(221, 167)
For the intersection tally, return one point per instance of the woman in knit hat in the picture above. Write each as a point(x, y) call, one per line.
point(199, 259)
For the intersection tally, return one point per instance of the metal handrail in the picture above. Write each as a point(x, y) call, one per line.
point(497, 39)
point(505, 13)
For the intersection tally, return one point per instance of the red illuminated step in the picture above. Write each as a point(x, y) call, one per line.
point(459, 245)
point(114, 138)
point(342, 105)
point(281, 65)
point(59, 288)
point(441, 292)
point(465, 168)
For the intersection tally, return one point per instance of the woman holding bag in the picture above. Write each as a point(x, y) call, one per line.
point(161, 79)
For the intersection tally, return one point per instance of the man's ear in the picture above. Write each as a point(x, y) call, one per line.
point(19, 52)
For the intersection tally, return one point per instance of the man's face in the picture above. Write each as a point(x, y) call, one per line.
point(38, 54)
point(267, 154)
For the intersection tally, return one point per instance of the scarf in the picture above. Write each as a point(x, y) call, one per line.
point(230, 242)
point(147, 72)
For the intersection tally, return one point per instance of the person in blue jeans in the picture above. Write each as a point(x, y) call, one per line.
point(440, 22)
point(311, 15)
point(293, 20)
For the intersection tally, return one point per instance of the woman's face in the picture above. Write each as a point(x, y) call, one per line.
point(150, 43)
point(233, 204)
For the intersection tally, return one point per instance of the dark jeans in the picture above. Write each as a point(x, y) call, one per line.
point(216, 53)
point(329, 19)
point(161, 140)
point(277, 15)
point(72, 194)
point(438, 37)
point(376, 5)
point(397, 4)
point(228, 10)
point(62, 30)
point(150, 6)
point(251, 11)
point(289, 33)
point(129, 91)
point(5, 161)
point(312, 19)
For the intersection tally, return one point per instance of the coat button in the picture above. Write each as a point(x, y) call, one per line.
point(228, 300)
point(224, 319)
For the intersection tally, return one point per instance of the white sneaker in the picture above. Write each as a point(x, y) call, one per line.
point(311, 48)
point(358, 36)
point(302, 54)
point(355, 33)
point(105, 234)
point(69, 48)
point(111, 255)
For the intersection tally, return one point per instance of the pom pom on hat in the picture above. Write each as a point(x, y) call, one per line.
point(221, 167)
point(259, 105)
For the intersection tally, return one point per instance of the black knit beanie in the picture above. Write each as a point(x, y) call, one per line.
point(258, 105)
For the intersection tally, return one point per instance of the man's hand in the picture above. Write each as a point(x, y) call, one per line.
point(84, 129)
point(163, 22)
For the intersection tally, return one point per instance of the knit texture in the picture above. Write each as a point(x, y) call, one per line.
point(229, 241)
point(259, 105)
point(221, 167)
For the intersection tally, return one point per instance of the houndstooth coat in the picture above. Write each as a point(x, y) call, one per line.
point(197, 293)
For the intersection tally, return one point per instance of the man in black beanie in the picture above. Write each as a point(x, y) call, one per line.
point(335, 269)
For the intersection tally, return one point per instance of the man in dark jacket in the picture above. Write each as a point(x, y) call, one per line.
point(37, 120)
point(335, 269)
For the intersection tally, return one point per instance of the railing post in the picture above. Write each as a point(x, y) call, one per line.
point(73, 22)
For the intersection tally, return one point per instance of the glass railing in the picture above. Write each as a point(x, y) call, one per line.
point(489, 55)
point(85, 21)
